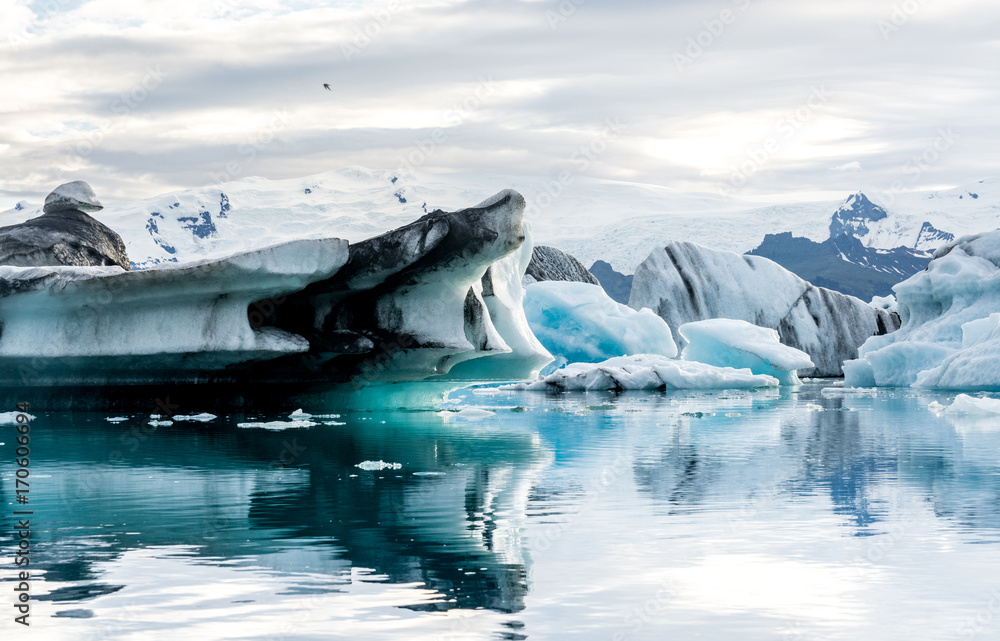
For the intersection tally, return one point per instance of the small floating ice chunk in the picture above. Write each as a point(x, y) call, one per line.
point(159, 423)
point(468, 414)
point(725, 342)
point(378, 466)
point(646, 372)
point(428, 473)
point(116, 419)
point(936, 407)
point(970, 405)
point(200, 418)
point(278, 425)
point(299, 415)
point(10, 418)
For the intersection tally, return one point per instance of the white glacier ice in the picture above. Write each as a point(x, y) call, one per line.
point(76, 195)
point(580, 323)
point(106, 325)
point(685, 282)
point(646, 372)
point(970, 405)
point(734, 343)
point(437, 302)
point(888, 303)
point(950, 337)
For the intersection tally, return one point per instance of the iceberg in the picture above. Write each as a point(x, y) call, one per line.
point(738, 344)
point(580, 323)
point(970, 405)
point(436, 302)
point(646, 372)
point(950, 334)
point(685, 282)
point(65, 234)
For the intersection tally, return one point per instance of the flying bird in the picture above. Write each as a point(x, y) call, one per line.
point(327, 86)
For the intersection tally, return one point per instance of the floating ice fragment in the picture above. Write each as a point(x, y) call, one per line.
point(646, 372)
point(116, 419)
point(965, 404)
point(200, 418)
point(378, 466)
point(10, 418)
point(278, 425)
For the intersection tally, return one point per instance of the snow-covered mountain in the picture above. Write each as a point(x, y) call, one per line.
point(592, 219)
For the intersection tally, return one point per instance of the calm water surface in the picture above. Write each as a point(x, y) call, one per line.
point(806, 514)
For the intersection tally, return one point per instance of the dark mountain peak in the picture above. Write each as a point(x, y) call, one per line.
point(852, 217)
point(930, 238)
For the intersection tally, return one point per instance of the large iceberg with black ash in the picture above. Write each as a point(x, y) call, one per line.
point(65, 233)
point(950, 334)
point(685, 282)
point(436, 301)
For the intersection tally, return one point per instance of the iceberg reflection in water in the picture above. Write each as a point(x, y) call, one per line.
point(795, 513)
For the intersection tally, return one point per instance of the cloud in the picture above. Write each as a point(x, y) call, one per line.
point(849, 166)
point(143, 97)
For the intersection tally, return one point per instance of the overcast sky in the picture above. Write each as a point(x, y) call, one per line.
point(754, 98)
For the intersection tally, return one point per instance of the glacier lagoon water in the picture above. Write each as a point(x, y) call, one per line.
point(802, 514)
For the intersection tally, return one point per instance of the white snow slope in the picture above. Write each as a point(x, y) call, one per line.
point(592, 219)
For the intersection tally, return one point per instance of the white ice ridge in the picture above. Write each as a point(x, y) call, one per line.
point(579, 323)
point(950, 337)
point(123, 326)
point(733, 343)
point(646, 372)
